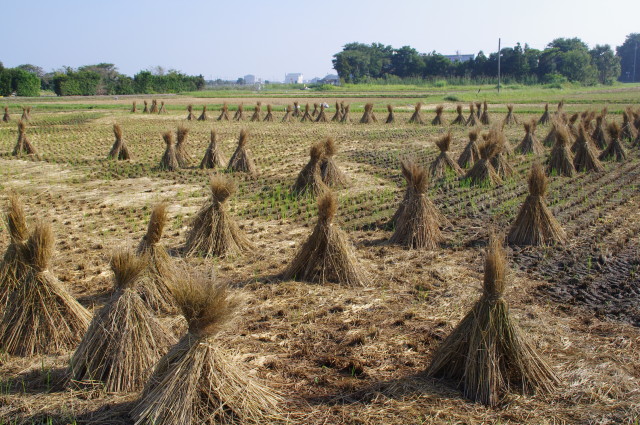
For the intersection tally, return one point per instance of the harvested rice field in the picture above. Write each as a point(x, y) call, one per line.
point(337, 353)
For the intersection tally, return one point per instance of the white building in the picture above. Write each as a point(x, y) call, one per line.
point(459, 57)
point(249, 79)
point(293, 78)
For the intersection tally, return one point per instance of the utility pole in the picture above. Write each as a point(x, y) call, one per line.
point(635, 54)
point(499, 65)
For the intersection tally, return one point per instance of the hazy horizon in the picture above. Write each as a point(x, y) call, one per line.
point(268, 41)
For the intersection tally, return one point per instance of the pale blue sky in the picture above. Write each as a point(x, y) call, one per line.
point(230, 39)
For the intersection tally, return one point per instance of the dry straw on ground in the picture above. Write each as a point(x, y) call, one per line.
point(470, 154)
point(23, 145)
point(239, 114)
point(203, 116)
point(482, 173)
point(322, 116)
point(309, 179)
point(197, 381)
point(182, 156)
point(586, 157)
point(12, 265)
point(269, 117)
point(213, 157)
point(213, 231)
point(510, 119)
point(416, 118)
point(288, 115)
point(437, 120)
point(224, 112)
point(241, 160)
point(332, 175)
point(561, 159)
point(327, 255)
point(530, 143)
point(614, 150)
point(257, 113)
point(484, 118)
point(190, 115)
point(444, 164)
point(545, 118)
point(119, 149)
point(472, 121)
point(535, 225)
point(306, 117)
point(418, 219)
point(169, 162)
point(460, 120)
point(124, 340)
point(159, 268)
point(487, 353)
point(41, 317)
point(337, 115)
point(368, 116)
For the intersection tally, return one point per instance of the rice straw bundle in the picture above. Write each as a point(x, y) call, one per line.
point(163, 109)
point(239, 115)
point(288, 115)
point(391, 116)
point(241, 160)
point(190, 116)
point(203, 116)
point(443, 162)
point(124, 340)
point(332, 176)
point(327, 255)
point(599, 135)
point(181, 147)
point(550, 138)
point(487, 352)
point(571, 125)
point(585, 158)
point(25, 114)
point(296, 109)
point(437, 120)
point(460, 120)
point(368, 116)
point(535, 225)
point(561, 159)
point(134, 107)
point(309, 179)
point(213, 157)
point(472, 121)
point(484, 118)
point(471, 153)
point(530, 143)
point(169, 161)
point(306, 116)
point(12, 265)
point(418, 219)
point(315, 110)
point(198, 382)
point(159, 269)
point(416, 118)
point(146, 108)
point(560, 109)
point(337, 116)
point(269, 116)
point(41, 317)
point(6, 117)
point(545, 118)
point(257, 113)
point(478, 110)
point(482, 172)
point(119, 149)
point(154, 107)
point(345, 114)
point(224, 112)
point(322, 117)
point(510, 119)
point(23, 145)
point(213, 231)
point(615, 150)
point(628, 131)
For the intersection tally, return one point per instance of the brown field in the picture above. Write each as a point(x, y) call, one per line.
point(341, 355)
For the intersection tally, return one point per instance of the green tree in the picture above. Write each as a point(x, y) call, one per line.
point(629, 53)
point(606, 63)
point(406, 62)
point(25, 83)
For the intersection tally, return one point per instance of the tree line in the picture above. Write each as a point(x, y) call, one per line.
point(88, 80)
point(563, 60)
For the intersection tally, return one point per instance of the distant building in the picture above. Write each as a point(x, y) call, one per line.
point(331, 79)
point(249, 79)
point(293, 78)
point(459, 57)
